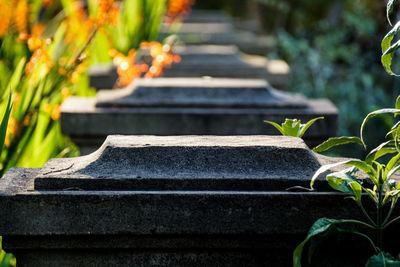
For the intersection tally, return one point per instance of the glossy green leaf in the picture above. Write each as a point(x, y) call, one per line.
point(337, 141)
point(304, 127)
point(277, 126)
point(346, 182)
point(373, 114)
point(362, 165)
point(391, 165)
point(388, 49)
point(389, 9)
point(319, 227)
point(380, 151)
point(397, 105)
point(291, 127)
point(382, 260)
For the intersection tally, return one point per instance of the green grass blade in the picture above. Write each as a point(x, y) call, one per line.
point(4, 123)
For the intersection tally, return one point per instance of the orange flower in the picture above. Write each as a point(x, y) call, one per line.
point(81, 68)
point(162, 58)
point(55, 113)
point(39, 57)
point(107, 12)
point(127, 70)
point(35, 39)
point(12, 129)
point(20, 17)
point(65, 93)
point(53, 110)
point(47, 3)
point(5, 16)
point(79, 25)
point(177, 9)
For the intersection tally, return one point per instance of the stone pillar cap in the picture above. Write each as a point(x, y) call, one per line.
point(200, 92)
point(193, 158)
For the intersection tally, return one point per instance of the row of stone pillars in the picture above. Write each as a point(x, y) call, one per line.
point(172, 197)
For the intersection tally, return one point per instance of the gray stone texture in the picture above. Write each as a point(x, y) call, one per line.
point(207, 60)
point(191, 107)
point(226, 62)
point(217, 28)
point(72, 226)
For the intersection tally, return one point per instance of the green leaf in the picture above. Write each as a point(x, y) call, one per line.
point(397, 105)
point(319, 227)
point(345, 181)
point(304, 127)
point(389, 9)
point(277, 126)
point(356, 189)
point(380, 151)
point(4, 123)
point(392, 164)
point(291, 127)
point(337, 141)
point(388, 49)
point(382, 260)
point(373, 114)
point(387, 58)
point(387, 40)
point(362, 165)
point(15, 79)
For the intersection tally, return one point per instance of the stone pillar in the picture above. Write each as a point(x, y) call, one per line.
point(192, 106)
point(167, 201)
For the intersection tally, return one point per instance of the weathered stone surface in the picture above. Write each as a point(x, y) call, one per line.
point(188, 158)
point(199, 92)
point(73, 226)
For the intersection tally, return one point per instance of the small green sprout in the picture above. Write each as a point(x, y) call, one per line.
point(293, 127)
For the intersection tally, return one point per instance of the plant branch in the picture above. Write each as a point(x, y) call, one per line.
point(366, 214)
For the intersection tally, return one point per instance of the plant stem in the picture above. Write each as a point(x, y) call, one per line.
point(379, 220)
point(359, 222)
point(389, 214)
point(392, 221)
point(369, 239)
point(366, 215)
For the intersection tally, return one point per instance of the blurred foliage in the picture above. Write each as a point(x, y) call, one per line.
point(45, 49)
point(334, 53)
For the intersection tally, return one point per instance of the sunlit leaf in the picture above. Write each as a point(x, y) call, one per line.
point(391, 165)
point(373, 114)
point(304, 127)
point(337, 141)
point(389, 9)
point(380, 151)
point(362, 165)
point(291, 127)
point(277, 126)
